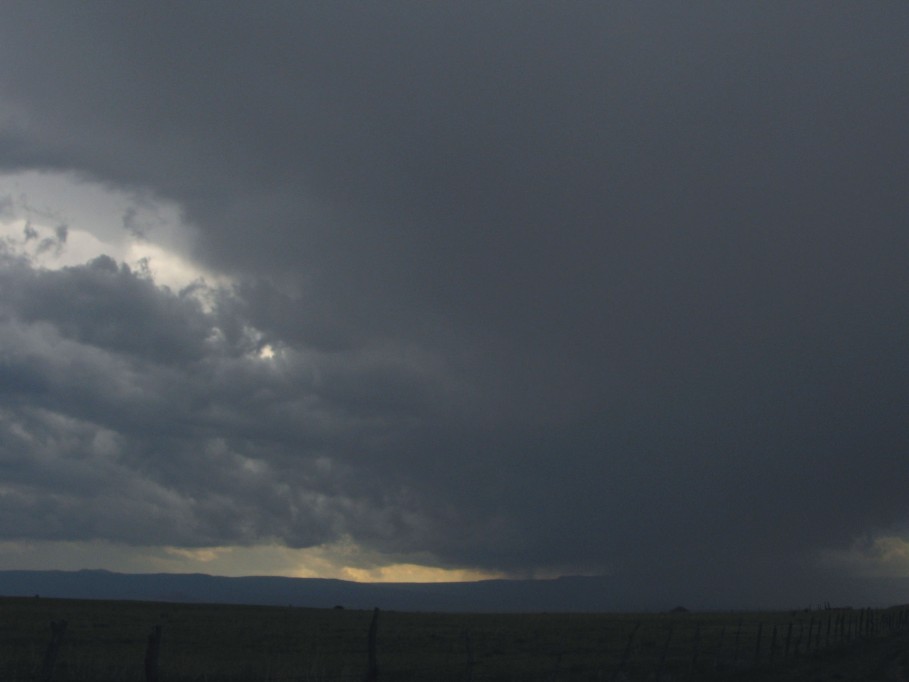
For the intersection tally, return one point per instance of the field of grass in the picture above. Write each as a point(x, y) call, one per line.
point(107, 641)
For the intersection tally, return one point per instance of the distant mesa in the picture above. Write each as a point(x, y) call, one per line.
point(679, 609)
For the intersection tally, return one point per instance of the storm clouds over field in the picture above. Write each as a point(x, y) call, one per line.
point(509, 289)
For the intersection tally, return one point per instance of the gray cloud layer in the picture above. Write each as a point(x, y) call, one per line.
point(581, 286)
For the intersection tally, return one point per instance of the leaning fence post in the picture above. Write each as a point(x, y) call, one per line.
point(773, 645)
point(58, 628)
point(151, 654)
point(372, 669)
point(627, 653)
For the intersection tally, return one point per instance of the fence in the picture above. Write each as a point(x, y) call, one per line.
point(550, 647)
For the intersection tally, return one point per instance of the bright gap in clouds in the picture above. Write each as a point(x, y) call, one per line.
point(58, 220)
point(873, 556)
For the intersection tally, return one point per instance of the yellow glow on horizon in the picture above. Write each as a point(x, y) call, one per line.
point(415, 573)
point(342, 561)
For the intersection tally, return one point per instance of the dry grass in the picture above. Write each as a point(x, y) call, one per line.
point(106, 641)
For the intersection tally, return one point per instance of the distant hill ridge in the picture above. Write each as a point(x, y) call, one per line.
point(567, 594)
point(562, 594)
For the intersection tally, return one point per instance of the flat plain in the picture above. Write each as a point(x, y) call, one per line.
point(107, 640)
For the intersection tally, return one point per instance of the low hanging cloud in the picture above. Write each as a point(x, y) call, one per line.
point(603, 288)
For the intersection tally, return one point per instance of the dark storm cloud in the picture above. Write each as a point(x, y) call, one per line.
point(105, 305)
point(585, 286)
point(131, 413)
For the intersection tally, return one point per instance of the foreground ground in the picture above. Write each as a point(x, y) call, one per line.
point(884, 660)
point(109, 641)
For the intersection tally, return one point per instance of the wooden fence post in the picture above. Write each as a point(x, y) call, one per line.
point(659, 670)
point(757, 646)
point(719, 649)
point(468, 677)
point(58, 628)
point(773, 645)
point(557, 668)
point(697, 650)
point(810, 633)
point(151, 654)
point(738, 636)
point(372, 669)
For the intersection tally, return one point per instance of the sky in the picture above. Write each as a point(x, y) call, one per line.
point(456, 290)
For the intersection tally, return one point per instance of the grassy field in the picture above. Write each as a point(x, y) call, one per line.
point(107, 641)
